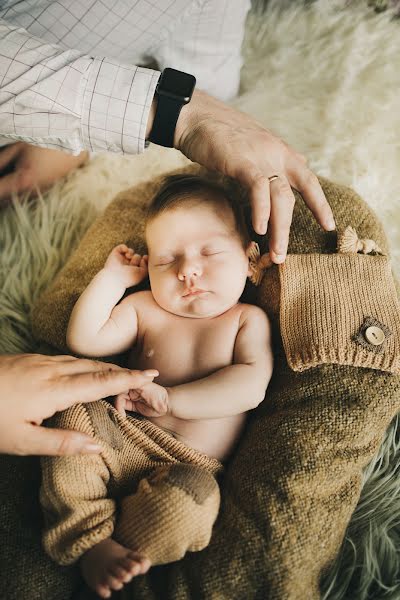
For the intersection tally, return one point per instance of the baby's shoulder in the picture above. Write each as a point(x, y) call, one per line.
point(140, 299)
point(143, 303)
point(252, 313)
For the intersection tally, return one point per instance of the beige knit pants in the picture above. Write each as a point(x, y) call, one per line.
point(147, 490)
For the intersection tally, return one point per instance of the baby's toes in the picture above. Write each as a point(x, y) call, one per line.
point(103, 591)
point(129, 568)
point(112, 581)
point(145, 565)
point(121, 572)
point(142, 563)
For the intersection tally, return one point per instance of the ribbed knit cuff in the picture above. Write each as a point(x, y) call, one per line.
point(338, 308)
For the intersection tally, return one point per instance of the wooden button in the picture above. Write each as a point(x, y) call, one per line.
point(374, 335)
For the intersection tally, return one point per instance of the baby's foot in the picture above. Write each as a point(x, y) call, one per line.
point(108, 566)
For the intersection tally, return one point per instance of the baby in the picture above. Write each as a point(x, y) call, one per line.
point(210, 353)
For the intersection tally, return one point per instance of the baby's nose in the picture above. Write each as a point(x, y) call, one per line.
point(188, 270)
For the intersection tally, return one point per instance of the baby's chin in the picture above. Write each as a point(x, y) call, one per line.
point(197, 309)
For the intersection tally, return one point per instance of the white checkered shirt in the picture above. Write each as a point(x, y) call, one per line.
point(68, 68)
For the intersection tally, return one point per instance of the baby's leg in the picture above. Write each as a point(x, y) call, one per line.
point(172, 511)
point(108, 566)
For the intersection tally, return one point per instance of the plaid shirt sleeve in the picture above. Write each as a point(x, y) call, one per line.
point(70, 100)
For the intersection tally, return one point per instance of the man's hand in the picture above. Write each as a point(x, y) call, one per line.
point(150, 400)
point(128, 267)
point(34, 387)
point(24, 168)
point(226, 140)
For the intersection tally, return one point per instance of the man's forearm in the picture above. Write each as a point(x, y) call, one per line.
point(229, 391)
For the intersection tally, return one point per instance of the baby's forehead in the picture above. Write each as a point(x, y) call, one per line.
point(194, 210)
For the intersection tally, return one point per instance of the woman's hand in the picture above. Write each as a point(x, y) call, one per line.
point(129, 268)
point(34, 387)
point(24, 167)
point(224, 139)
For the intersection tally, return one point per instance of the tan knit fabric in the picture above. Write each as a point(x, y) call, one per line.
point(172, 512)
point(295, 478)
point(81, 495)
point(325, 300)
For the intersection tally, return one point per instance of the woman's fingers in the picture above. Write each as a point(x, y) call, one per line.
point(54, 442)
point(94, 384)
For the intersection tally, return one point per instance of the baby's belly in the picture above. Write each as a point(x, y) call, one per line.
point(214, 437)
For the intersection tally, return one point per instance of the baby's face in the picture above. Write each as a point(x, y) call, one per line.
point(197, 263)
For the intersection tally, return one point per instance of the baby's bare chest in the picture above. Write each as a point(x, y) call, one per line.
point(183, 349)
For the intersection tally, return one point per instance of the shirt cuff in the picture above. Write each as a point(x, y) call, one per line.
point(116, 106)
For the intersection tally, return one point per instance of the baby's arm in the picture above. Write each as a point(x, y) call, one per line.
point(236, 388)
point(97, 326)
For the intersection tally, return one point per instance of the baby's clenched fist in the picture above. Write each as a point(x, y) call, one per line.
point(151, 400)
point(130, 268)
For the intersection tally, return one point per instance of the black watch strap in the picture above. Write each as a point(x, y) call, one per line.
point(165, 120)
point(174, 90)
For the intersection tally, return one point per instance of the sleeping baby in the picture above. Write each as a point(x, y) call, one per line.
point(212, 360)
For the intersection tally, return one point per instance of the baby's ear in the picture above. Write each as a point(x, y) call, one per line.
point(253, 254)
point(257, 263)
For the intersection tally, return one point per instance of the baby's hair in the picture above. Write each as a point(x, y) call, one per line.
point(177, 190)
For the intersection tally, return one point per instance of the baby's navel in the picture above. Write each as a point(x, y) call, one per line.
point(149, 353)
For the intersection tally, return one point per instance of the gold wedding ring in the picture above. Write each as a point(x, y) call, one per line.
point(273, 177)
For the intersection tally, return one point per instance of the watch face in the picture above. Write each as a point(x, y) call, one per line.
point(176, 84)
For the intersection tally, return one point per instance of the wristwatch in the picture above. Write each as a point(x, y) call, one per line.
point(174, 90)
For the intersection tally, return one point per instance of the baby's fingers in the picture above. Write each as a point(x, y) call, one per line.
point(120, 404)
point(134, 260)
point(121, 249)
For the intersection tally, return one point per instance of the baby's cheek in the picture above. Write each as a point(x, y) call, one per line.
point(163, 291)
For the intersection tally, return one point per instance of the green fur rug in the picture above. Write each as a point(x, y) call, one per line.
point(325, 77)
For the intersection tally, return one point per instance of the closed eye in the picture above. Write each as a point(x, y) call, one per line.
point(165, 261)
point(211, 252)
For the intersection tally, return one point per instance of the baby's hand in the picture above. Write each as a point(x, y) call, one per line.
point(129, 267)
point(151, 400)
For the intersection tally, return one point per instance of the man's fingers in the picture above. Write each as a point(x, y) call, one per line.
point(56, 442)
point(87, 387)
point(257, 185)
point(282, 203)
point(306, 182)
